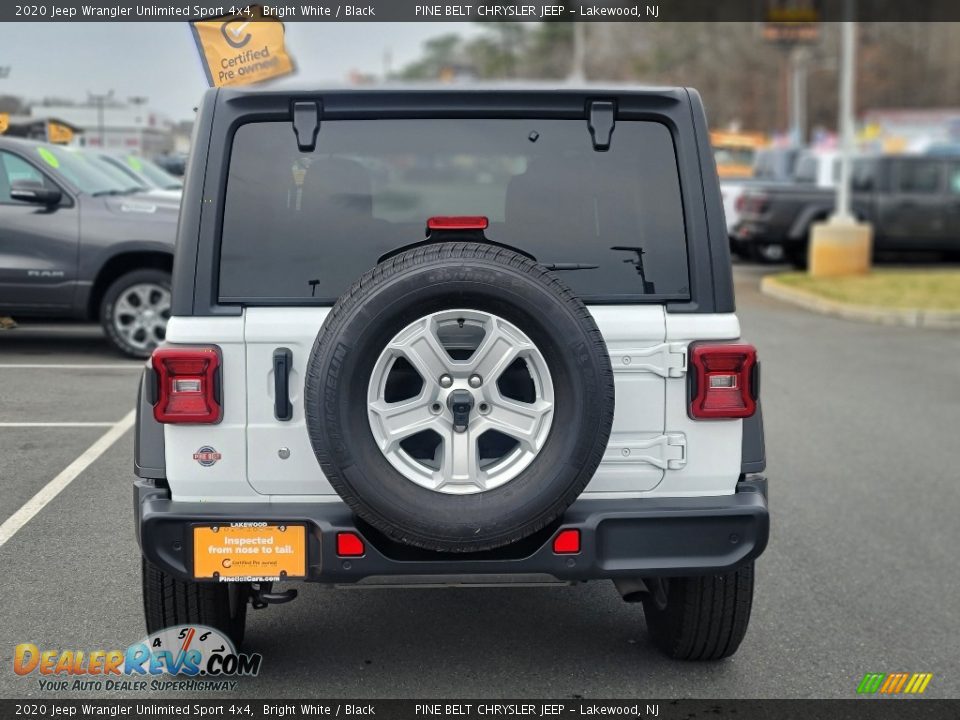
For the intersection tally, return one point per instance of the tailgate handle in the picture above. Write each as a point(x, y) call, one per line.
point(282, 361)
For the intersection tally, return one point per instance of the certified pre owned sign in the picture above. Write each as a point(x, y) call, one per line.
point(243, 48)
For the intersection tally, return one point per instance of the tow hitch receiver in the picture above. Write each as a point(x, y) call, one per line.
point(261, 595)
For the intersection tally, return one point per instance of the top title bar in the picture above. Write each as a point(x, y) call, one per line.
point(769, 11)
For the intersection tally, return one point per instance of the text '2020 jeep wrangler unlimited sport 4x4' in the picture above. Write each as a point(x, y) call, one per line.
point(547, 387)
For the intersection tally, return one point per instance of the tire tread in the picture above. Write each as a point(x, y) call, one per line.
point(706, 618)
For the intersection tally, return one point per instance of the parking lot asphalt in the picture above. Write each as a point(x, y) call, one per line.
point(860, 574)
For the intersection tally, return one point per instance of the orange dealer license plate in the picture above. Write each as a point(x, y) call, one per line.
point(241, 551)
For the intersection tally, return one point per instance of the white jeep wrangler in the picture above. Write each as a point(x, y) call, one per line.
point(453, 337)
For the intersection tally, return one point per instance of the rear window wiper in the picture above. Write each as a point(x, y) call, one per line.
point(569, 266)
point(637, 262)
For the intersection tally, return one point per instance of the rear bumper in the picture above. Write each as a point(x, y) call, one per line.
point(619, 538)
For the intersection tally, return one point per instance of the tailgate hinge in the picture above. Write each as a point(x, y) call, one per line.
point(668, 360)
point(306, 123)
point(667, 452)
point(601, 118)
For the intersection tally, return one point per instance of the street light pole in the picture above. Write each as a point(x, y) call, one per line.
point(99, 101)
point(848, 59)
point(842, 246)
point(798, 96)
point(577, 69)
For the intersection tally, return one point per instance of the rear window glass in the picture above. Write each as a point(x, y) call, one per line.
point(303, 226)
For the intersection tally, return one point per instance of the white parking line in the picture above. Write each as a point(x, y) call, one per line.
point(53, 488)
point(55, 424)
point(72, 366)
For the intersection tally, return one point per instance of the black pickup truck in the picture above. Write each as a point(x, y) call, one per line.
point(913, 203)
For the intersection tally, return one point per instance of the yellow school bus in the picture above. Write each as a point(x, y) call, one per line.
point(735, 152)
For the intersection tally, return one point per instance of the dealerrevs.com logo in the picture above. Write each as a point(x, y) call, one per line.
point(183, 657)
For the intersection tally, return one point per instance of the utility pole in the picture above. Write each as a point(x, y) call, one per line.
point(848, 59)
point(99, 101)
point(842, 245)
point(798, 96)
point(577, 69)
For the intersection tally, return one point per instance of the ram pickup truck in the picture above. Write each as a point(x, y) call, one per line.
point(81, 243)
point(913, 203)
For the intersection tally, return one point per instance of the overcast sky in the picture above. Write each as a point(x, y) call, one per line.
point(160, 60)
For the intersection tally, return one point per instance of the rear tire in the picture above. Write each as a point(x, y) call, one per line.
point(797, 255)
point(169, 601)
point(702, 618)
point(767, 253)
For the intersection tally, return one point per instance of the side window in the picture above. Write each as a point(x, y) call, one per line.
point(953, 184)
point(864, 175)
point(919, 177)
point(806, 170)
point(13, 168)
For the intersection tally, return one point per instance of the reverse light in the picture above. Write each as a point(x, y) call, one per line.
point(349, 545)
point(724, 381)
point(458, 222)
point(567, 542)
point(187, 379)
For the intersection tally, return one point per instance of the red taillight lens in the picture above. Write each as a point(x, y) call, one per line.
point(186, 384)
point(567, 542)
point(752, 204)
point(458, 222)
point(724, 381)
point(349, 545)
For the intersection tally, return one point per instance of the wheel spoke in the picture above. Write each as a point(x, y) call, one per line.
point(499, 348)
point(521, 421)
point(162, 302)
point(143, 293)
point(123, 306)
point(423, 350)
point(461, 460)
point(400, 420)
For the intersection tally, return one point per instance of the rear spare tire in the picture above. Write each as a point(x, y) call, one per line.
point(459, 397)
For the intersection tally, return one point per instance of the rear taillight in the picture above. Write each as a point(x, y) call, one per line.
point(752, 204)
point(724, 382)
point(187, 385)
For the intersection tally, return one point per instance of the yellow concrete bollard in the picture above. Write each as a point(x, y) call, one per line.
point(840, 247)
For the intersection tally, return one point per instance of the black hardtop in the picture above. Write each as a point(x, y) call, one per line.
point(222, 111)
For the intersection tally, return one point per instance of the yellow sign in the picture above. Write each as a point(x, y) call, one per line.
point(58, 133)
point(4, 122)
point(243, 48)
point(240, 550)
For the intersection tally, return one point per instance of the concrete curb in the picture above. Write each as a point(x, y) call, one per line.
point(941, 319)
